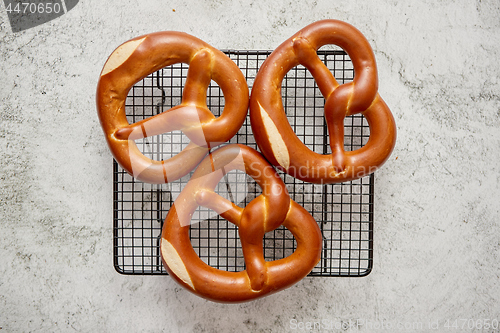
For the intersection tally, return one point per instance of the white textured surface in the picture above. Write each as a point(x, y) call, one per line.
point(437, 228)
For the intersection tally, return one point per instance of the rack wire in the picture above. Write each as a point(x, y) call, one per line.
point(343, 211)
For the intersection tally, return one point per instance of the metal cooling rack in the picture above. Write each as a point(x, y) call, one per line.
point(343, 211)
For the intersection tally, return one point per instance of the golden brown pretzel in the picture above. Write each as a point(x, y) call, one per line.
point(263, 214)
point(274, 135)
point(137, 58)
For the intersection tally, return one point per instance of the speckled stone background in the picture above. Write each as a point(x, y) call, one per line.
point(437, 228)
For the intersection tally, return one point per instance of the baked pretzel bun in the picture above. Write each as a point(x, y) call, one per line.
point(276, 138)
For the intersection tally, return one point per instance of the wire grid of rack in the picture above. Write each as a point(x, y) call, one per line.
point(343, 211)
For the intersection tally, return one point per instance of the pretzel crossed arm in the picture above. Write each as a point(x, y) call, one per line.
point(141, 56)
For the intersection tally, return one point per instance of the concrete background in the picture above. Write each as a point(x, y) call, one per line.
point(437, 234)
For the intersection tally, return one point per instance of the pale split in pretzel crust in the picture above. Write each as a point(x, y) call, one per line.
point(278, 145)
point(175, 264)
point(120, 55)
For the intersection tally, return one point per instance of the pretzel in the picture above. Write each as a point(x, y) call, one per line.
point(276, 138)
point(263, 214)
point(139, 57)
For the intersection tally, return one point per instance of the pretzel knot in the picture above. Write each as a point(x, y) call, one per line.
point(276, 138)
point(263, 214)
point(139, 57)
